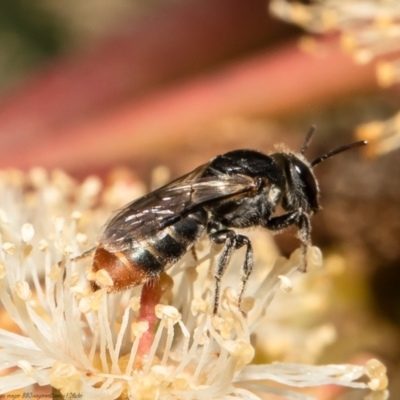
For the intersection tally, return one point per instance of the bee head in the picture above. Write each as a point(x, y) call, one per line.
point(301, 189)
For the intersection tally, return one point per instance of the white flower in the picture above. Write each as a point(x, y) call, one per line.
point(158, 343)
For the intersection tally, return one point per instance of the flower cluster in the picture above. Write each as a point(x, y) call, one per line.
point(157, 342)
point(368, 29)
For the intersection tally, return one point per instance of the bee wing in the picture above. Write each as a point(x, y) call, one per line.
point(167, 205)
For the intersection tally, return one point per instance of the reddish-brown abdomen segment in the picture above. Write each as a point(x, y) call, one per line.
point(124, 273)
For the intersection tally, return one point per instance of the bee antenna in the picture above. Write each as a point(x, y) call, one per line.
point(337, 151)
point(307, 140)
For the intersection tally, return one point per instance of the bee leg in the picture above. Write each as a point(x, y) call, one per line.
point(194, 254)
point(87, 253)
point(282, 221)
point(228, 238)
point(247, 269)
point(232, 241)
point(294, 218)
point(305, 237)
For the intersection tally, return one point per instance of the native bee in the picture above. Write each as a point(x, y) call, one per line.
point(239, 189)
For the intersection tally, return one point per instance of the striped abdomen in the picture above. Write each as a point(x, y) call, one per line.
point(146, 259)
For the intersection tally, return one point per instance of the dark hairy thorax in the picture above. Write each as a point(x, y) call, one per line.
point(247, 209)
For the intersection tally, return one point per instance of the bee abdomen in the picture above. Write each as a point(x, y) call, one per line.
point(170, 244)
point(146, 259)
point(123, 272)
point(188, 230)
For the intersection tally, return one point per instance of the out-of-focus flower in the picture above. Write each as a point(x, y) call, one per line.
point(368, 29)
point(161, 344)
point(383, 136)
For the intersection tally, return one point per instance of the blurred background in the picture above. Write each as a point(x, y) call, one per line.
point(92, 86)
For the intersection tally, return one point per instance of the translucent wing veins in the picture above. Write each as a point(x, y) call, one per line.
point(169, 204)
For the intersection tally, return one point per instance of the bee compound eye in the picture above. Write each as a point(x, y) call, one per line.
point(308, 182)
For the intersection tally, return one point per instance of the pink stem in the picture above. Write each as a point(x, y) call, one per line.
point(271, 83)
point(151, 295)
